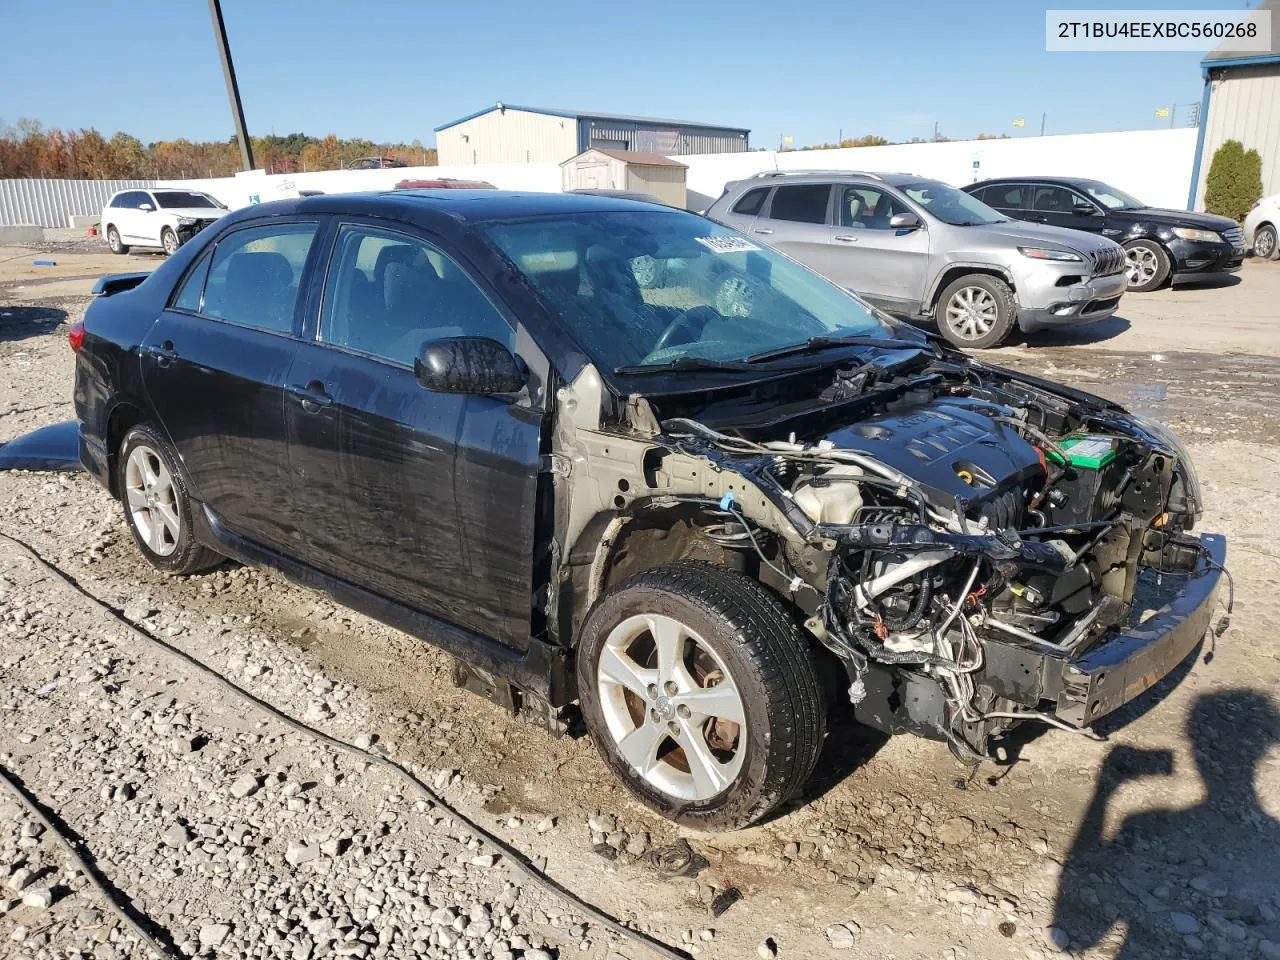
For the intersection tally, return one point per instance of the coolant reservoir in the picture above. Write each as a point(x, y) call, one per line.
point(834, 498)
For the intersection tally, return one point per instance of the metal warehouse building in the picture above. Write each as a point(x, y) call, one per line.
point(505, 133)
point(1241, 102)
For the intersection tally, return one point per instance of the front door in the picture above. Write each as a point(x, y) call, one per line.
point(215, 363)
point(425, 498)
point(1061, 207)
point(886, 265)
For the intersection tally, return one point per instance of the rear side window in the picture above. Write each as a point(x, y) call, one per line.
point(751, 203)
point(1004, 197)
point(188, 297)
point(255, 275)
point(801, 203)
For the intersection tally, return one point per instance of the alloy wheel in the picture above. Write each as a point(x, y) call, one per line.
point(152, 501)
point(972, 312)
point(170, 241)
point(1264, 244)
point(1141, 265)
point(671, 706)
point(113, 240)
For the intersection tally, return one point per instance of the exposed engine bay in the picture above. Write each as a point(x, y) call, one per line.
point(975, 546)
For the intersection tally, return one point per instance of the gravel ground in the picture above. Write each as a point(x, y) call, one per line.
point(243, 839)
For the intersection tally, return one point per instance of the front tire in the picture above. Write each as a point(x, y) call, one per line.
point(157, 507)
point(1265, 245)
point(1147, 265)
point(976, 311)
point(701, 694)
point(169, 241)
point(115, 243)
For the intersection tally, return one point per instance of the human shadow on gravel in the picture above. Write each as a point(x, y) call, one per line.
point(21, 322)
point(119, 899)
point(1179, 879)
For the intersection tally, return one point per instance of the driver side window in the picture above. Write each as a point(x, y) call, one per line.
point(387, 293)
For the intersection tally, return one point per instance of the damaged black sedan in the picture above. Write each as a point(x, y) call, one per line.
point(619, 456)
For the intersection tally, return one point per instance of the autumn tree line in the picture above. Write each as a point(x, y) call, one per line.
point(28, 149)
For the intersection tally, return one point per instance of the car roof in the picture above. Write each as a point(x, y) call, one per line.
point(1055, 181)
point(458, 206)
point(771, 178)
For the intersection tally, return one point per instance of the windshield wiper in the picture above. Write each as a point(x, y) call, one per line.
point(680, 364)
point(814, 344)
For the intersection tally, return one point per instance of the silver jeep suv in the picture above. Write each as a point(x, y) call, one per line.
point(924, 250)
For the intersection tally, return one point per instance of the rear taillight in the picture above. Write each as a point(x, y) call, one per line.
point(75, 336)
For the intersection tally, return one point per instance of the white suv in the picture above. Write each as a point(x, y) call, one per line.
point(159, 217)
point(1262, 228)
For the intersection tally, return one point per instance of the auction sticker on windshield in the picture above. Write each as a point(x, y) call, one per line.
point(727, 244)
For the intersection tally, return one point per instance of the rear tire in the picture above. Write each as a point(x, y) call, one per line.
point(169, 241)
point(114, 243)
point(1147, 265)
point(157, 507)
point(653, 650)
point(976, 311)
point(1265, 245)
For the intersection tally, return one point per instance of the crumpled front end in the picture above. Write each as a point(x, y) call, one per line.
point(976, 553)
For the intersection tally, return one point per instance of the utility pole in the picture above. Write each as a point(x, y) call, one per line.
point(935, 131)
point(1173, 115)
point(233, 89)
point(1042, 116)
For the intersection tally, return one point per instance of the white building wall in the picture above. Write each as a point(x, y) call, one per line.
point(1154, 165)
point(508, 136)
point(1244, 105)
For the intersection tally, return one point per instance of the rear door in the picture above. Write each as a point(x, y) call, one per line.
point(1011, 199)
point(214, 365)
point(796, 221)
point(886, 265)
point(425, 498)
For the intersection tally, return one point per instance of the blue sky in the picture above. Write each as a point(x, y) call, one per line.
point(394, 69)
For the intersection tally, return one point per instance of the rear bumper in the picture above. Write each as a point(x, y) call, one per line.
point(1095, 299)
point(1110, 675)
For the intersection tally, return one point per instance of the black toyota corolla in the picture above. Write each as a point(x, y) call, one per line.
point(614, 455)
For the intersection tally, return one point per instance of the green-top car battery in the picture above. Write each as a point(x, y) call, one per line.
point(1086, 452)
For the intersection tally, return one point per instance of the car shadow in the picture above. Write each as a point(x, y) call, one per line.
point(1098, 332)
point(1211, 281)
point(1178, 879)
point(21, 322)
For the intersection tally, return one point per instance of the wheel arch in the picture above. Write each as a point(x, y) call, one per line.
point(615, 545)
point(955, 271)
point(124, 416)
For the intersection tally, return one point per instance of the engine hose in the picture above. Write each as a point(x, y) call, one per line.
point(517, 861)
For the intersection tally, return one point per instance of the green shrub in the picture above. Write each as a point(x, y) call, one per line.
point(1235, 181)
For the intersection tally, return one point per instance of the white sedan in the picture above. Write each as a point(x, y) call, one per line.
point(159, 217)
point(1261, 227)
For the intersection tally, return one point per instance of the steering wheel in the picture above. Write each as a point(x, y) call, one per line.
point(684, 318)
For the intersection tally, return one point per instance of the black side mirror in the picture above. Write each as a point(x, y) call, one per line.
point(904, 221)
point(476, 365)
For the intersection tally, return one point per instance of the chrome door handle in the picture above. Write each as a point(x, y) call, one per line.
point(764, 230)
point(164, 353)
point(845, 238)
